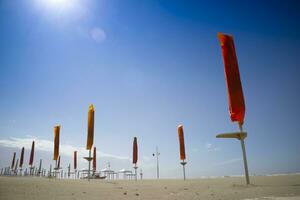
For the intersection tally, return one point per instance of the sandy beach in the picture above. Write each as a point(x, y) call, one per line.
point(285, 187)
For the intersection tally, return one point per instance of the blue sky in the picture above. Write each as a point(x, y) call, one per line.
point(148, 66)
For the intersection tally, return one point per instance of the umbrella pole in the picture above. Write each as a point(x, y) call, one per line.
point(244, 155)
point(55, 169)
point(89, 165)
point(135, 169)
point(157, 163)
point(183, 168)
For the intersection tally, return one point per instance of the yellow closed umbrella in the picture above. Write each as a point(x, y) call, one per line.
point(56, 142)
point(90, 131)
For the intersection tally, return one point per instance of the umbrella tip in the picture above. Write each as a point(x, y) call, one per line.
point(180, 126)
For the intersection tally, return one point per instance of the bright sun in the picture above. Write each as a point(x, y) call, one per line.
point(57, 5)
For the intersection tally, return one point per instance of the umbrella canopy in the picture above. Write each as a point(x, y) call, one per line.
point(94, 159)
point(232, 75)
point(75, 159)
point(56, 142)
point(90, 135)
point(13, 161)
point(181, 142)
point(31, 154)
point(135, 151)
point(22, 157)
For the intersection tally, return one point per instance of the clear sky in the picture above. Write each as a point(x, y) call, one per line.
point(148, 66)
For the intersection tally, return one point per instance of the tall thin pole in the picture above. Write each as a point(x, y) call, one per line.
point(40, 168)
point(244, 155)
point(157, 163)
point(183, 168)
point(50, 171)
point(89, 165)
point(135, 169)
point(55, 168)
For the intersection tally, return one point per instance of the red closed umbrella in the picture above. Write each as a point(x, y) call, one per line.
point(181, 142)
point(22, 158)
point(233, 81)
point(235, 93)
point(135, 156)
point(13, 161)
point(182, 148)
point(75, 160)
point(31, 154)
point(135, 151)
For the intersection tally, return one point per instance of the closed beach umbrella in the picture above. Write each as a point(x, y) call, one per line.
point(75, 160)
point(181, 142)
point(56, 142)
point(13, 161)
point(31, 154)
point(94, 159)
point(90, 135)
point(22, 158)
point(232, 75)
point(235, 92)
point(135, 151)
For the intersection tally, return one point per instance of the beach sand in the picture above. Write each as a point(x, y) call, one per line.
point(285, 187)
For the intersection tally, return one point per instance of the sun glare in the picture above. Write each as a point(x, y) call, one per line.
point(58, 3)
point(61, 8)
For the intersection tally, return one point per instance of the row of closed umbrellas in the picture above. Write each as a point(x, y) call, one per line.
point(236, 109)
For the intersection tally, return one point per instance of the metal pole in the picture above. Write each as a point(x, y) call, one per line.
point(55, 169)
point(89, 165)
point(157, 162)
point(135, 169)
point(183, 172)
point(244, 156)
point(183, 168)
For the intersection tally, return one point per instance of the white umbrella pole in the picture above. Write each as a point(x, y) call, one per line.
point(244, 155)
point(157, 163)
point(183, 168)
